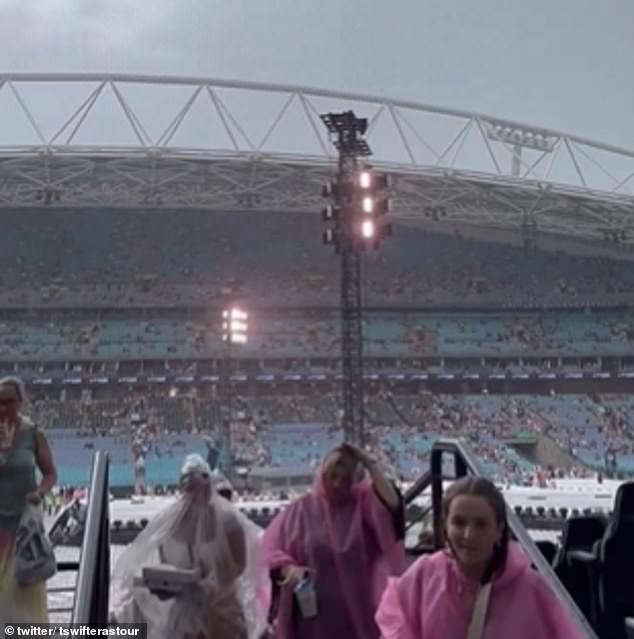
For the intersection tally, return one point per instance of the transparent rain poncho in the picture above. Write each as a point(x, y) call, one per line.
point(229, 597)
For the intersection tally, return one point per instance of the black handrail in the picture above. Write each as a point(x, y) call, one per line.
point(467, 463)
point(417, 487)
point(93, 580)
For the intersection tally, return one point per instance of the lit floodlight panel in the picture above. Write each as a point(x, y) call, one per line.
point(365, 179)
point(238, 314)
point(367, 229)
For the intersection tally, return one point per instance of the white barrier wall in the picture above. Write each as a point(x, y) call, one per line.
point(566, 493)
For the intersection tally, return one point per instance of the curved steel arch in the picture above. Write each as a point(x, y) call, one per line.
point(133, 141)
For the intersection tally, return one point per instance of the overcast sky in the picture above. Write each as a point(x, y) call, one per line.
point(566, 64)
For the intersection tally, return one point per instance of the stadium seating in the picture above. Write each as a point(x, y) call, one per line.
point(57, 257)
point(82, 261)
point(73, 455)
point(294, 432)
point(600, 333)
point(110, 292)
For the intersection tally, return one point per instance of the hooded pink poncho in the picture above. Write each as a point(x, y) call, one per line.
point(352, 545)
point(432, 600)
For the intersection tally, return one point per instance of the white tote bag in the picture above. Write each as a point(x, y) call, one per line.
point(33, 555)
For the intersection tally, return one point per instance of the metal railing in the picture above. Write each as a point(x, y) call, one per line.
point(417, 487)
point(466, 463)
point(93, 581)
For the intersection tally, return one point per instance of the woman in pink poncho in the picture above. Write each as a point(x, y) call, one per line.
point(346, 535)
point(442, 595)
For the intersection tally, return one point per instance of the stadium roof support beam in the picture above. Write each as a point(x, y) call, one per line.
point(67, 154)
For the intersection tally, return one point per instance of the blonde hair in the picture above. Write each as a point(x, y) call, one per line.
point(18, 385)
point(339, 456)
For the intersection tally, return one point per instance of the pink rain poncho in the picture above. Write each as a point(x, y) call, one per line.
point(352, 546)
point(432, 600)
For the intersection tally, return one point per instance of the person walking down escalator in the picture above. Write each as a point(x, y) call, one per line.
point(205, 535)
point(24, 453)
point(481, 586)
point(331, 551)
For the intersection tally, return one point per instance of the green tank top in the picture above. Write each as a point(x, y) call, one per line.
point(17, 476)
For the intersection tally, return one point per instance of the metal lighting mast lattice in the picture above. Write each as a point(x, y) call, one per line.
point(355, 211)
point(234, 332)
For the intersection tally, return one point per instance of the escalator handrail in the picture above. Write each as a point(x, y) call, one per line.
point(96, 516)
point(471, 464)
point(417, 488)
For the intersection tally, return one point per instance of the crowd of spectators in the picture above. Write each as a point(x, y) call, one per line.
point(176, 261)
point(56, 257)
point(292, 432)
point(275, 335)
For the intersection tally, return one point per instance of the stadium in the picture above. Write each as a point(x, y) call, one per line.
point(497, 318)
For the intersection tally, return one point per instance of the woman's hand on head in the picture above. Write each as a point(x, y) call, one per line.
point(357, 454)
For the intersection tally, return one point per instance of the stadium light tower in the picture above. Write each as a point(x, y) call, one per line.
point(235, 328)
point(519, 138)
point(357, 204)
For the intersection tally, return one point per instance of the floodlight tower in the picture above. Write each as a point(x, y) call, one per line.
point(519, 138)
point(357, 204)
point(235, 325)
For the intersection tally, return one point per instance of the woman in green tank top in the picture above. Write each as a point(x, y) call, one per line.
point(23, 451)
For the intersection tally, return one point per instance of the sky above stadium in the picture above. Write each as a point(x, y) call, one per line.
point(563, 64)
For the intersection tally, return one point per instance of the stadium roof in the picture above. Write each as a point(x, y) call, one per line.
point(78, 140)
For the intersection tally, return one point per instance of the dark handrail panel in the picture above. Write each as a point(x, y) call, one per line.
point(93, 579)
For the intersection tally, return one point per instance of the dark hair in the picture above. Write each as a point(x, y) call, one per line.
point(481, 487)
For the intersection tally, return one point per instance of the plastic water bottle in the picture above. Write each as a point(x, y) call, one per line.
point(306, 598)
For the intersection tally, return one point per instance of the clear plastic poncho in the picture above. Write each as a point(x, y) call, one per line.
point(201, 531)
